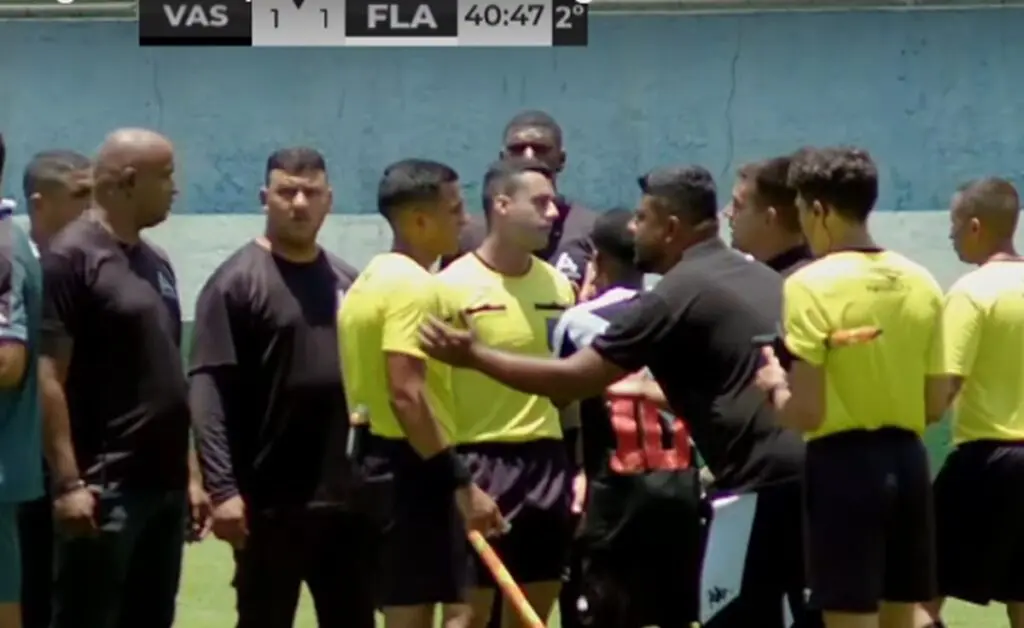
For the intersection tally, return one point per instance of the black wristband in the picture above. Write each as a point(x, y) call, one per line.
point(446, 470)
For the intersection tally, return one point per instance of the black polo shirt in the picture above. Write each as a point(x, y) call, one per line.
point(694, 331)
point(266, 331)
point(125, 387)
point(791, 260)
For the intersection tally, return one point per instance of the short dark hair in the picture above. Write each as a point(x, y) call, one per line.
point(771, 188)
point(686, 191)
point(534, 119)
point(296, 160)
point(411, 181)
point(612, 236)
point(843, 177)
point(503, 177)
point(990, 195)
point(50, 168)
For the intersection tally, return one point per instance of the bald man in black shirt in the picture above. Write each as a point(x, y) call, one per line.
point(266, 390)
point(115, 400)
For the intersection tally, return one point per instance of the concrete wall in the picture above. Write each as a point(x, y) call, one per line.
point(934, 99)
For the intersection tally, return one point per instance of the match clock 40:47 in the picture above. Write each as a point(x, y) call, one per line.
point(522, 23)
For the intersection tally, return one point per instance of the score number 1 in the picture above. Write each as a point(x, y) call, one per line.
point(569, 26)
point(277, 17)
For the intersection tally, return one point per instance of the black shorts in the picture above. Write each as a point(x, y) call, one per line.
point(869, 523)
point(772, 583)
point(424, 551)
point(532, 484)
point(642, 540)
point(979, 520)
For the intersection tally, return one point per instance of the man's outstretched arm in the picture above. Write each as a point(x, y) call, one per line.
point(583, 374)
point(629, 344)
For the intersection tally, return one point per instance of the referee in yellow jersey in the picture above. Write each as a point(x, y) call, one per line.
point(510, 440)
point(979, 493)
point(418, 481)
point(862, 408)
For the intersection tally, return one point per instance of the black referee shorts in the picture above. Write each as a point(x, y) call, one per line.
point(979, 512)
point(869, 521)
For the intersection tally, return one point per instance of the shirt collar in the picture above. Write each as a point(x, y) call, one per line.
point(789, 257)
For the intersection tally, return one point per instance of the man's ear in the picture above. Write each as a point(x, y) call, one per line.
point(35, 203)
point(974, 224)
point(128, 179)
point(561, 161)
point(263, 198)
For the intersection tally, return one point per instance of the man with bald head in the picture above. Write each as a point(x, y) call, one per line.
point(979, 493)
point(116, 413)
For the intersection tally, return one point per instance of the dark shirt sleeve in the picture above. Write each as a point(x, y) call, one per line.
point(211, 387)
point(637, 334)
point(213, 336)
point(207, 392)
point(63, 285)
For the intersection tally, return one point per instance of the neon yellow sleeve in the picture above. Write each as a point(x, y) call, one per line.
point(956, 344)
point(406, 307)
point(804, 322)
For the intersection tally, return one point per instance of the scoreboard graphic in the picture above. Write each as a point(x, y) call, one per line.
point(409, 23)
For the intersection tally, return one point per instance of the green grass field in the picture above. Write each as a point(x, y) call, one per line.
point(206, 599)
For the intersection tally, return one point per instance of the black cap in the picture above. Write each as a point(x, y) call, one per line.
point(687, 189)
point(612, 236)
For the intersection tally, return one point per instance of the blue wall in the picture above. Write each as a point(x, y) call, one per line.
point(936, 96)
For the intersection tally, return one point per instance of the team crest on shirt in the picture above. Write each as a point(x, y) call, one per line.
point(166, 286)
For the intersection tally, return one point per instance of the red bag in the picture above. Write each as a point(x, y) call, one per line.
point(646, 439)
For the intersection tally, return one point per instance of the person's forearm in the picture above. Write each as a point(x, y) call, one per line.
point(58, 448)
point(13, 363)
point(940, 393)
point(546, 377)
point(653, 393)
point(421, 428)
point(786, 413)
point(195, 473)
point(210, 459)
